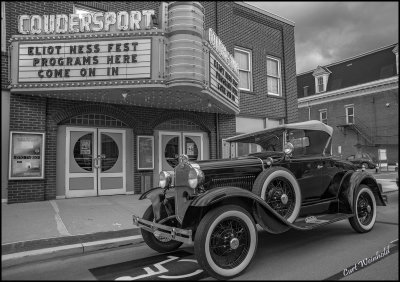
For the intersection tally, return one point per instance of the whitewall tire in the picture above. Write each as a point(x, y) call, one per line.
point(279, 188)
point(364, 206)
point(226, 241)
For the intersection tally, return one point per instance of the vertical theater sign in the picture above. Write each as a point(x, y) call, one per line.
point(133, 57)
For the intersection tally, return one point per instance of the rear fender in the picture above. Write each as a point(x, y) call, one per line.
point(352, 180)
point(262, 213)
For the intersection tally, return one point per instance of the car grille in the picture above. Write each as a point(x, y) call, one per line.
point(245, 182)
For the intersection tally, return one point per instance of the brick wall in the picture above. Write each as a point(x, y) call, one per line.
point(27, 113)
point(371, 110)
point(268, 37)
point(231, 22)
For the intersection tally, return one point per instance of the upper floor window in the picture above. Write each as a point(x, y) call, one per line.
point(3, 27)
point(323, 116)
point(320, 84)
point(305, 91)
point(349, 114)
point(243, 58)
point(274, 76)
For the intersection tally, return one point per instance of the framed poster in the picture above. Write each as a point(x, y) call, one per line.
point(26, 155)
point(145, 152)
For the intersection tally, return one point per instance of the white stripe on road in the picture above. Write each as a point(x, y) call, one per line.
point(60, 224)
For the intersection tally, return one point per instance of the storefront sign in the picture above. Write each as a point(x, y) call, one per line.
point(90, 22)
point(217, 44)
point(223, 81)
point(92, 60)
point(26, 155)
point(145, 152)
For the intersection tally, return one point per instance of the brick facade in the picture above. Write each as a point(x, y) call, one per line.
point(371, 109)
point(231, 22)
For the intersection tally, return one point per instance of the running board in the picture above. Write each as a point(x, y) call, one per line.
point(311, 222)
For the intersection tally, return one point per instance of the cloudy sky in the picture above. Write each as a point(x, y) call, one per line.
point(326, 32)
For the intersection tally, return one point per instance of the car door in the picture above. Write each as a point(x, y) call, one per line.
point(314, 175)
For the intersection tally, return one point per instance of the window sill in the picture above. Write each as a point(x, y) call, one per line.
point(275, 96)
point(247, 92)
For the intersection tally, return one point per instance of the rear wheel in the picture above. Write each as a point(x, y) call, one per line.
point(364, 206)
point(225, 241)
point(158, 243)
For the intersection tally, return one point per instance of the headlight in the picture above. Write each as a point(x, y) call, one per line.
point(196, 177)
point(288, 149)
point(165, 179)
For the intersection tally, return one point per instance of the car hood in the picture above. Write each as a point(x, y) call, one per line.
point(244, 161)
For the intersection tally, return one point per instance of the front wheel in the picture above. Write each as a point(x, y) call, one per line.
point(158, 243)
point(225, 241)
point(364, 206)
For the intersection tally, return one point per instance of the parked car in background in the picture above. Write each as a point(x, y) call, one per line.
point(292, 182)
point(362, 159)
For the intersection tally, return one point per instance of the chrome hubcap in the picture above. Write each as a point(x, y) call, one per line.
point(234, 243)
point(284, 199)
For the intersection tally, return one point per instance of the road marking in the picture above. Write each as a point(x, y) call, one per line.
point(62, 229)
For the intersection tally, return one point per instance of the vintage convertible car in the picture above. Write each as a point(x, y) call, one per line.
point(292, 181)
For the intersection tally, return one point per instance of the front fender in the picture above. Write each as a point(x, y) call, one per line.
point(349, 185)
point(156, 196)
point(263, 213)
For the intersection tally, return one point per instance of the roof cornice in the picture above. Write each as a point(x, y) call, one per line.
point(349, 92)
point(254, 8)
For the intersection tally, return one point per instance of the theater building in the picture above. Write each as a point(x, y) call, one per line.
point(99, 97)
point(359, 98)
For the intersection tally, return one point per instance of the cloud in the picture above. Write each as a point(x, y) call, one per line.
point(326, 32)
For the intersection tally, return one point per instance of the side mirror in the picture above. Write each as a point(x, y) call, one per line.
point(288, 149)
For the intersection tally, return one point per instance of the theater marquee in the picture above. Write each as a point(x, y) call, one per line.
point(165, 60)
point(90, 60)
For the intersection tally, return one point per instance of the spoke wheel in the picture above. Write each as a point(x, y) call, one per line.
point(230, 242)
point(225, 241)
point(278, 187)
point(364, 207)
point(280, 196)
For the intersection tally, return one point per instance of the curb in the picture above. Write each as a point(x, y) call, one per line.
point(67, 250)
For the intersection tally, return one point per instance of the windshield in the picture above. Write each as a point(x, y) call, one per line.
point(305, 142)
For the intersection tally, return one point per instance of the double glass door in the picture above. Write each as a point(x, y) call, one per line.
point(95, 162)
point(173, 144)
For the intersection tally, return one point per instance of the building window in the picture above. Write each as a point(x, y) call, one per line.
point(320, 84)
point(349, 114)
point(305, 91)
point(243, 58)
point(274, 76)
point(323, 116)
point(3, 27)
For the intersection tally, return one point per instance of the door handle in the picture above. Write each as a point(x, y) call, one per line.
point(96, 162)
point(320, 166)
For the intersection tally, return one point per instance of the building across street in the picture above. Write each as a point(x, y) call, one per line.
point(359, 98)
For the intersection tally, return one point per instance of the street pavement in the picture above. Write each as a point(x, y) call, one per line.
point(41, 230)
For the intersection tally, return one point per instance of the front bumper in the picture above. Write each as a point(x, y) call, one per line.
point(174, 233)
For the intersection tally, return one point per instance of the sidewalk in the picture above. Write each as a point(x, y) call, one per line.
point(39, 230)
